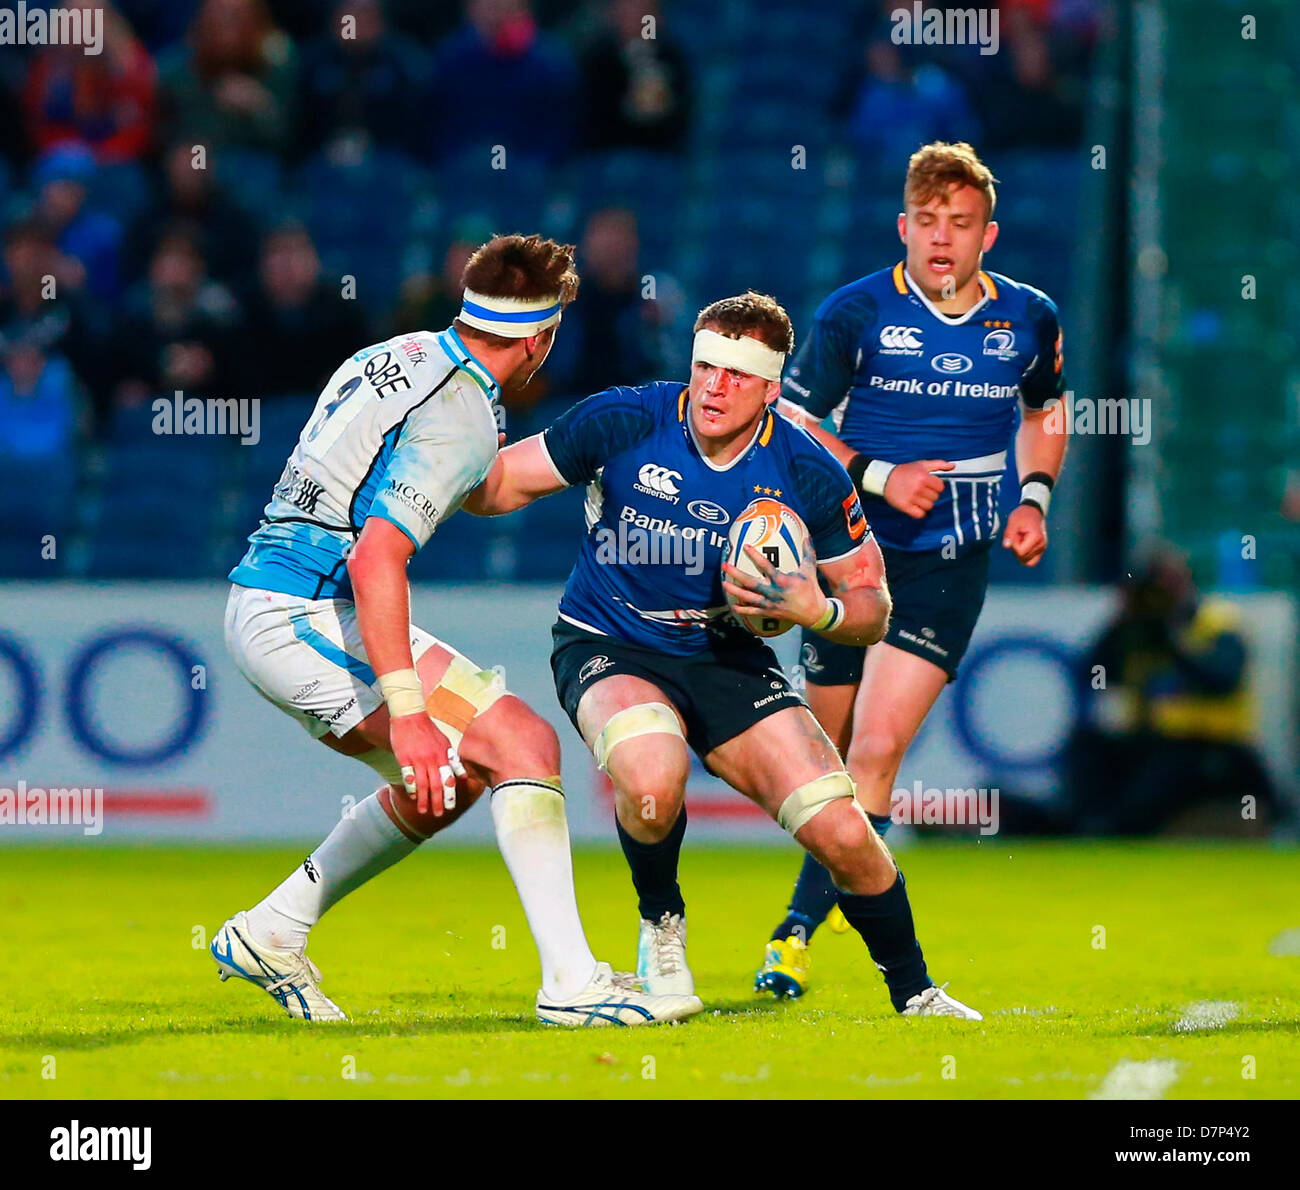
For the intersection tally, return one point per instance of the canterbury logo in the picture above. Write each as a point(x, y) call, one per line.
point(659, 480)
point(901, 338)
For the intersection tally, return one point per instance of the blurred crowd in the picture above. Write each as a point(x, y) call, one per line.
point(164, 202)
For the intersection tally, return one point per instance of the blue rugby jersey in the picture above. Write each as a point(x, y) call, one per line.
point(908, 382)
point(658, 509)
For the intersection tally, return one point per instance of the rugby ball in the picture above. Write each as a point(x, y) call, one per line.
point(775, 531)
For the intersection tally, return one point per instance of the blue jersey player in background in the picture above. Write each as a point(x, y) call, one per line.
point(925, 365)
point(651, 656)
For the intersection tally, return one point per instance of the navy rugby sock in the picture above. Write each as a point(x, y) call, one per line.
point(654, 870)
point(885, 923)
point(814, 893)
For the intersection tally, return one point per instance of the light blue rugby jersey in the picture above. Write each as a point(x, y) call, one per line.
point(403, 430)
point(907, 382)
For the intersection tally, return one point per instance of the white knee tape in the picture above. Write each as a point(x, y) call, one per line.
point(809, 800)
point(648, 718)
point(463, 693)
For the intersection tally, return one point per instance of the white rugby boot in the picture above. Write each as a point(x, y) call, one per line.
point(934, 1001)
point(615, 998)
point(661, 957)
point(290, 977)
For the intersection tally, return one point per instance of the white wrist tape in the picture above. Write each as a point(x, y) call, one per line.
point(1038, 493)
point(875, 476)
point(831, 618)
point(745, 354)
point(402, 692)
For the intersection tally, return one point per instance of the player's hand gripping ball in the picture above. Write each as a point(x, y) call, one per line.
point(778, 533)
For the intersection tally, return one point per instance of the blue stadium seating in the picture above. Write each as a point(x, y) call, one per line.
point(512, 199)
point(132, 551)
point(458, 551)
point(281, 422)
point(254, 181)
point(47, 509)
point(360, 214)
point(123, 190)
point(145, 484)
point(548, 535)
point(171, 465)
point(133, 423)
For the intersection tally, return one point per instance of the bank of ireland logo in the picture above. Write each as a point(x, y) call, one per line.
point(900, 340)
point(657, 480)
point(707, 511)
point(951, 364)
point(1001, 343)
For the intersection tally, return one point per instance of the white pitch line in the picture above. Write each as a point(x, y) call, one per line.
point(1286, 943)
point(1202, 1015)
point(1138, 1080)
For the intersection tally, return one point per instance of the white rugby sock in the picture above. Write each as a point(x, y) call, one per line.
point(533, 835)
point(365, 842)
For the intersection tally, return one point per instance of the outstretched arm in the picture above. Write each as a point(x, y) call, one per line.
point(521, 474)
point(912, 487)
point(1040, 451)
point(1040, 444)
point(377, 568)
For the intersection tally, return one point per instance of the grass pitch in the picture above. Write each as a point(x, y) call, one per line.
point(1082, 957)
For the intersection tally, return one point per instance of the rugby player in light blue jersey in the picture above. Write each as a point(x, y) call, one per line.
point(923, 366)
point(319, 622)
point(650, 659)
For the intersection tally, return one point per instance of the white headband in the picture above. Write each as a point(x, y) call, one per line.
point(744, 354)
point(515, 318)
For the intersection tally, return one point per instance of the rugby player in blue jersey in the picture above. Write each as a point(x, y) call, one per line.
point(923, 364)
point(650, 659)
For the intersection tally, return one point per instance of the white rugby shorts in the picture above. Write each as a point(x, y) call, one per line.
point(306, 657)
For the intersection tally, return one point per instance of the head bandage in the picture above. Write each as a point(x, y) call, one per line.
point(647, 718)
point(515, 318)
point(745, 354)
point(809, 800)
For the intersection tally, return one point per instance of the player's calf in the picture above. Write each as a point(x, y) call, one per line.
point(403, 808)
point(825, 817)
point(649, 773)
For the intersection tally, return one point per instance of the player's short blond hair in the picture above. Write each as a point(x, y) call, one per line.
point(937, 167)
